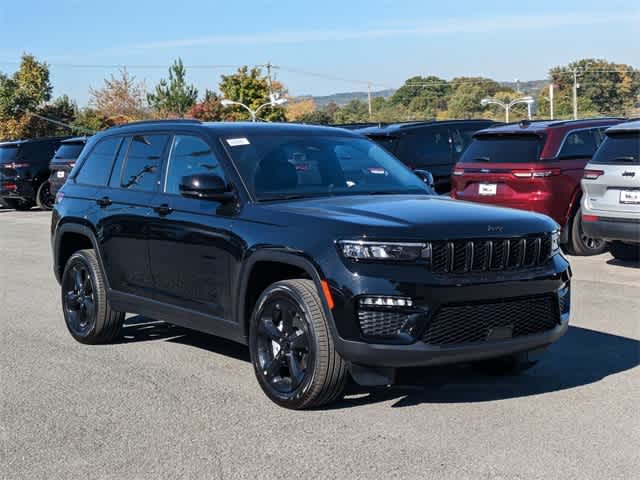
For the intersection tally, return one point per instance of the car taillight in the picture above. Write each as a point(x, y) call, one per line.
point(72, 164)
point(458, 171)
point(589, 218)
point(11, 187)
point(592, 174)
point(547, 172)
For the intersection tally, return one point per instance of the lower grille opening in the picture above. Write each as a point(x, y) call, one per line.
point(459, 324)
point(380, 323)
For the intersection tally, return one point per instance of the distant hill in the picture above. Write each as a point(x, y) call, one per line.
point(529, 87)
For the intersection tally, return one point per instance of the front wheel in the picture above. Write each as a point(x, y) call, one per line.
point(44, 198)
point(292, 347)
point(582, 244)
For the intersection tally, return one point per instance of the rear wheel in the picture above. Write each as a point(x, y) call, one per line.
point(292, 348)
point(87, 312)
point(625, 251)
point(44, 198)
point(580, 242)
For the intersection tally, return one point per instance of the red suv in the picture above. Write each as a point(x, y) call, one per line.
point(534, 166)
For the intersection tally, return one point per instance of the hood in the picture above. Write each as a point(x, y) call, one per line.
point(401, 216)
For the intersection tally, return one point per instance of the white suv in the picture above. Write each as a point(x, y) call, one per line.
point(611, 186)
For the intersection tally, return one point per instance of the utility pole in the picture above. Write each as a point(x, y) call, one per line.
point(269, 66)
point(369, 97)
point(575, 94)
point(551, 100)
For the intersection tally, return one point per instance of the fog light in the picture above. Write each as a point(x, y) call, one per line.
point(564, 298)
point(386, 302)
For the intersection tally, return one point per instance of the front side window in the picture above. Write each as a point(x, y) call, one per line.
point(189, 156)
point(144, 162)
point(281, 166)
point(578, 144)
point(95, 170)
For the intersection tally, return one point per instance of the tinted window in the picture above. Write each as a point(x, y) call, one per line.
point(8, 154)
point(144, 160)
point(425, 147)
point(619, 149)
point(503, 149)
point(189, 156)
point(389, 143)
point(275, 166)
point(116, 172)
point(462, 137)
point(96, 168)
point(578, 144)
point(68, 151)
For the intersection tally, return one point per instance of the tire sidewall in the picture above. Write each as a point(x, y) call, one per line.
point(42, 203)
point(80, 258)
point(297, 397)
point(577, 245)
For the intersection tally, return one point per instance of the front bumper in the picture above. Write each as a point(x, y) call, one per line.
point(611, 229)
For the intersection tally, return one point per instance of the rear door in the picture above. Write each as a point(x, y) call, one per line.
point(617, 187)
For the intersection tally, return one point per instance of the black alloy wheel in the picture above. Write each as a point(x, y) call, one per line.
point(79, 301)
point(44, 198)
point(292, 347)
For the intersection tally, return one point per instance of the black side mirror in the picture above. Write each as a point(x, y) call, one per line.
point(426, 177)
point(206, 187)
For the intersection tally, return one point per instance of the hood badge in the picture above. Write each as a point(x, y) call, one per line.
point(495, 228)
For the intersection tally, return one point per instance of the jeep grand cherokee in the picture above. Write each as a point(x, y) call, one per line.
point(313, 245)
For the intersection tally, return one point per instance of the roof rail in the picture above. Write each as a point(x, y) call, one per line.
point(161, 121)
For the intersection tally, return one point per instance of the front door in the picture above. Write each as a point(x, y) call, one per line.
point(191, 244)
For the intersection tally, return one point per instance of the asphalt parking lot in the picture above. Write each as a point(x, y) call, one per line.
point(169, 403)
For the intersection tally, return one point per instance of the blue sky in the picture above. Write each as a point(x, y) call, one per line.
point(322, 47)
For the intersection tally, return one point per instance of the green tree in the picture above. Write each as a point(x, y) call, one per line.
point(92, 119)
point(251, 88)
point(352, 112)
point(173, 96)
point(467, 92)
point(209, 109)
point(424, 96)
point(317, 117)
point(63, 110)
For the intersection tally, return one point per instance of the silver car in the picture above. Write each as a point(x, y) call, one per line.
point(611, 191)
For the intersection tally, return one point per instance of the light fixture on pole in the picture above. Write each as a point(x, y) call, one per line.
point(528, 100)
point(273, 102)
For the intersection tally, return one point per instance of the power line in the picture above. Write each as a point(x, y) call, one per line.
point(59, 123)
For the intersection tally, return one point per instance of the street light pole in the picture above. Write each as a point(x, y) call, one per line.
point(575, 94)
point(254, 113)
point(530, 101)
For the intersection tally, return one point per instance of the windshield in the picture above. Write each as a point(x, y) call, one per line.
point(8, 153)
point(286, 166)
point(619, 149)
point(68, 151)
point(503, 149)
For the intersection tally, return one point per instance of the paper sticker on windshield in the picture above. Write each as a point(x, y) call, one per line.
point(236, 142)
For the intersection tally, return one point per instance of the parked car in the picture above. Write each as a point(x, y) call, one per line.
point(611, 185)
point(62, 163)
point(430, 145)
point(534, 166)
point(24, 168)
point(313, 245)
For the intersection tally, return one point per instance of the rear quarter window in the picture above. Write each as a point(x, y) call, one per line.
point(96, 169)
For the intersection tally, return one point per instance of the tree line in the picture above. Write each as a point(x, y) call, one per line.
point(604, 88)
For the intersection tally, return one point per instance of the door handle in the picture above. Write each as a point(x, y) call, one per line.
point(104, 201)
point(163, 209)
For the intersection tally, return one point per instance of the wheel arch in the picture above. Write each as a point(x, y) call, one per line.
point(252, 283)
point(69, 238)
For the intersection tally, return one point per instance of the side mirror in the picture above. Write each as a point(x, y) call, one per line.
point(206, 187)
point(426, 177)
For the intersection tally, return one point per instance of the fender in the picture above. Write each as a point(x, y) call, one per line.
point(293, 258)
point(83, 229)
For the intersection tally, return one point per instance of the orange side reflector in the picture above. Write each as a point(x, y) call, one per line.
point(327, 294)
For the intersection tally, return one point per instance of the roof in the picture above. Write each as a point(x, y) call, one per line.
point(632, 126)
point(393, 128)
point(540, 126)
point(32, 140)
point(233, 128)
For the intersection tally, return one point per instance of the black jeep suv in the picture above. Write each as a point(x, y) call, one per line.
point(313, 245)
point(63, 162)
point(435, 146)
point(24, 169)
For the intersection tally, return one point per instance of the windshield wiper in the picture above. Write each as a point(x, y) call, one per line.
point(480, 159)
point(625, 158)
point(293, 196)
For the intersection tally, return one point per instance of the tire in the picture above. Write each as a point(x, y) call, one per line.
point(625, 251)
point(507, 365)
point(292, 347)
point(87, 312)
point(580, 244)
point(20, 205)
point(44, 199)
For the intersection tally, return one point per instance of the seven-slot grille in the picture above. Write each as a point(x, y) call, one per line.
point(462, 256)
point(458, 324)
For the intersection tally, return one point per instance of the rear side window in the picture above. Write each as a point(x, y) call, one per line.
point(189, 156)
point(619, 149)
point(68, 151)
point(96, 168)
point(579, 144)
point(144, 162)
point(504, 149)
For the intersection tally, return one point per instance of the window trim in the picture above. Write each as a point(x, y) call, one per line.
point(162, 161)
point(570, 132)
point(90, 153)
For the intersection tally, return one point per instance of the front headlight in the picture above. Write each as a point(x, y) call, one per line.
point(555, 242)
point(390, 251)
